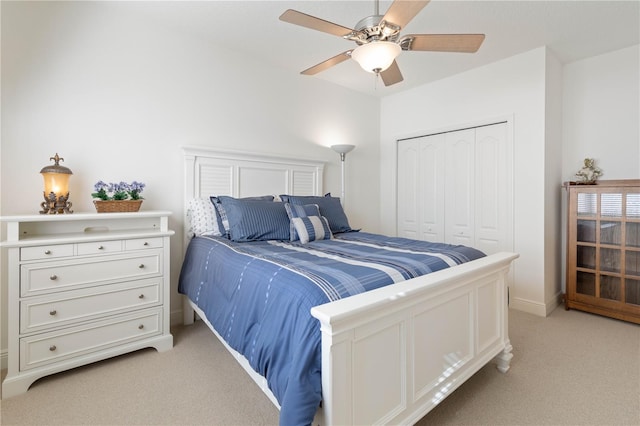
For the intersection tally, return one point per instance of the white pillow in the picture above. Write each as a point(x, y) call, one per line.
point(201, 217)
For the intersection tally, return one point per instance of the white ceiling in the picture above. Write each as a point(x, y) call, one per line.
point(572, 29)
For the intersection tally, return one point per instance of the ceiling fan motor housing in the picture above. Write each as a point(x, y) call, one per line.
point(373, 28)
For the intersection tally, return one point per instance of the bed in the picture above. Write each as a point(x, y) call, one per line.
point(386, 355)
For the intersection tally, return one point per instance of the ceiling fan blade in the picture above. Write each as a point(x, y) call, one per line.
point(391, 75)
point(466, 43)
point(402, 11)
point(298, 18)
point(328, 63)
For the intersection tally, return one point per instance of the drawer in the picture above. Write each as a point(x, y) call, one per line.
point(40, 278)
point(47, 348)
point(99, 247)
point(69, 307)
point(46, 252)
point(143, 243)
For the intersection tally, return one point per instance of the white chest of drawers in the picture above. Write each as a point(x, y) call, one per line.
point(83, 287)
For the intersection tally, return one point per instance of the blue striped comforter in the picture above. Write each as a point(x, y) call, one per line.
point(258, 297)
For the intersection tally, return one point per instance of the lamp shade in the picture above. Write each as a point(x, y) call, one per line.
point(376, 56)
point(342, 149)
point(56, 177)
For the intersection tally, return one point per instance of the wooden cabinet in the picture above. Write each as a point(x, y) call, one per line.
point(455, 187)
point(603, 249)
point(82, 288)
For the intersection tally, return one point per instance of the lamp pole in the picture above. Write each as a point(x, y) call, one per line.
point(342, 150)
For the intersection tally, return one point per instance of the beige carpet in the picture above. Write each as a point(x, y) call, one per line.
point(571, 368)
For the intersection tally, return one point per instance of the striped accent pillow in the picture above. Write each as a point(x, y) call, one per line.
point(294, 211)
point(312, 228)
point(255, 220)
point(330, 208)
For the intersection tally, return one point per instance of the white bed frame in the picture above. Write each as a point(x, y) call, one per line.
point(389, 355)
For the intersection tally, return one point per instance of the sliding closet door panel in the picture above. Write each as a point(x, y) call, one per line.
point(459, 187)
point(491, 188)
point(407, 191)
point(431, 196)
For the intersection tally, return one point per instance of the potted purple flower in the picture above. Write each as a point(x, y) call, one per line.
point(117, 197)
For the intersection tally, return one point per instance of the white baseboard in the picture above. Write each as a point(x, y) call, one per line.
point(535, 308)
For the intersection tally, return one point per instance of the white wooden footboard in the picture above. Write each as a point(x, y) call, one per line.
point(390, 355)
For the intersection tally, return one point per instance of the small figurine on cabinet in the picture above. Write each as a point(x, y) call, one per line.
point(589, 173)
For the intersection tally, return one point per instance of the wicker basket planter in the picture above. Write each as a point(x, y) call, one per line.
point(117, 206)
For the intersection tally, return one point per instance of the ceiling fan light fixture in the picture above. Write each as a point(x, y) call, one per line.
point(376, 56)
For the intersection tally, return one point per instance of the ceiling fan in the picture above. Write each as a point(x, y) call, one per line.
point(379, 41)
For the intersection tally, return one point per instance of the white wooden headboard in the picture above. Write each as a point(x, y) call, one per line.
point(209, 171)
point(243, 174)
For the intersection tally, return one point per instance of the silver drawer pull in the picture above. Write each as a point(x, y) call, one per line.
point(145, 243)
point(47, 252)
point(141, 266)
point(141, 326)
point(141, 296)
point(52, 348)
point(53, 312)
point(100, 248)
point(53, 277)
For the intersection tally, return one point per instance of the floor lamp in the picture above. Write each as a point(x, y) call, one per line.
point(342, 150)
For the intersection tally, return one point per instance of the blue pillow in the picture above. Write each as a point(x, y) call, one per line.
point(330, 208)
point(311, 228)
point(294, 211)
point(255, 220)
point(221, 214)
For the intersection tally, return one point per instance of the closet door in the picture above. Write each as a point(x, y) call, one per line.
point(431, 184)
point(459, 187)
point(407, 189)
point(491, 189)
point(421, 177)
point(454, 187)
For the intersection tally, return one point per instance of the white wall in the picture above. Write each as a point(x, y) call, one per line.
point(553, 242)
point(602, 114)
point(117, 97)
point(511, 87)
